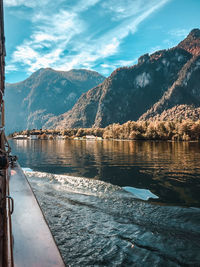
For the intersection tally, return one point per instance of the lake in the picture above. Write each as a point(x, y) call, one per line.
point(118, 203)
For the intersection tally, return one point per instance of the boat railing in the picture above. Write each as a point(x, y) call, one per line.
point(6, 201)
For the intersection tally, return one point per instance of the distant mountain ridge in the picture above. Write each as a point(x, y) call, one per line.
point(158, 82)
point(46, 93)
point(161, 86)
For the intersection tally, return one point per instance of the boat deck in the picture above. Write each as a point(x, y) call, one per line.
point(34, 245)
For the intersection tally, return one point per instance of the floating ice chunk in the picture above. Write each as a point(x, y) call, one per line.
point(143, 194)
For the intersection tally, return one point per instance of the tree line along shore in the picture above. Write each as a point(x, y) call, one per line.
point(184, 130)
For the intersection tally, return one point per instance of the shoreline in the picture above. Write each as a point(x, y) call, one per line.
point(184, 130)
point(111, 139)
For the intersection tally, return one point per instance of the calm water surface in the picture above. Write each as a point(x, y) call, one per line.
point(80, 186)
point(170, 170)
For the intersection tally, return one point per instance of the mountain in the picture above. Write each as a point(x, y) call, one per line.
point(46, 93)
point(130, 92)
point(192, 42)
point(158, 82)
point(163, 85)
point(186, 89)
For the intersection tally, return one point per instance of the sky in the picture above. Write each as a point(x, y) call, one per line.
point(99, 35)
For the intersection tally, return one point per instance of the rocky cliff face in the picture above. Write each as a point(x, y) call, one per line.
point(186, 89)
point(158, 82)
point(46, 93)
point(192, 42)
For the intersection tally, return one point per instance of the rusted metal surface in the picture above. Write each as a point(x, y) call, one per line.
point(33, 241)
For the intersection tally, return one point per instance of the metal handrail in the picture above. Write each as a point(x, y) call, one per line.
point(6, 244)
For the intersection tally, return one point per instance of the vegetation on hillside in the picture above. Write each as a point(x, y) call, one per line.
point(185, 130)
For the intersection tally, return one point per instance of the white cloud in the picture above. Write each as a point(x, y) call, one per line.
point(154, 49)
point(10, 68)
point(180, 33)
point(83, 5)
point(120, 63)
point(63, 40)
point(9, 3)
point(30, 3)
point(175, 36)
point(106, 66)
point(128, 8)
point(130, 24)
point(126, 63)
point(110, 48)
point(123, 8)
point(53, 33)
point(117, 35)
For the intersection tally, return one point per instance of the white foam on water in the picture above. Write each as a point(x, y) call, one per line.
point(143, 194)
point(74, 184)
point(82, 185)
point(27, 169)
point(95, 222)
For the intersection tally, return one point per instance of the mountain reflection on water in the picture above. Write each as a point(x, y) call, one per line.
point(170, 170)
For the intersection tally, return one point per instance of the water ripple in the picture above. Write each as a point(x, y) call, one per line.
point(99, 224)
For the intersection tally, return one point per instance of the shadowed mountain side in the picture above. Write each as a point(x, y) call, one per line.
point(127, 93)
point(44, 94)
point(185, 90)
point(157, 83)
point(83, 112)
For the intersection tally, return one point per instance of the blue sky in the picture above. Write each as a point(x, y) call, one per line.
point(100, 35)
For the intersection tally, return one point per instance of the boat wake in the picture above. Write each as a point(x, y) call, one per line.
point(98, 224)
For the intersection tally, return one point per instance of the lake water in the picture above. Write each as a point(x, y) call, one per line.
point(118, 203)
